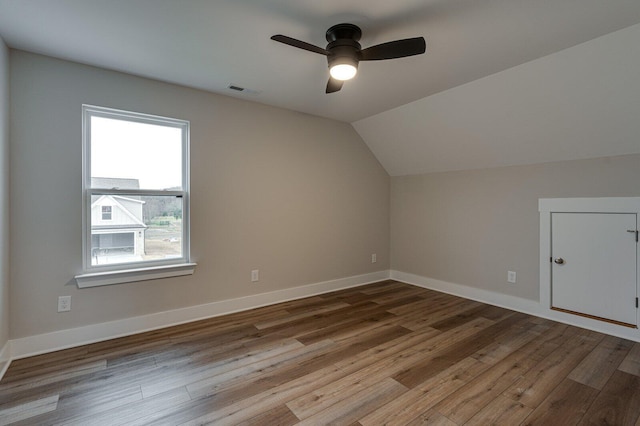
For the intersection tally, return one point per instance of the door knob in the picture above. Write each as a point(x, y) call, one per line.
point(559, 260)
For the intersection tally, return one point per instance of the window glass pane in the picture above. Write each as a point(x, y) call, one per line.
point(149, 155)
point(141, 228)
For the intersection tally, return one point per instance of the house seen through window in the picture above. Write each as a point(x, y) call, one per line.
point(136, 190)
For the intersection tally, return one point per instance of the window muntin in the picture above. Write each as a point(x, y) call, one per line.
point(135, 190)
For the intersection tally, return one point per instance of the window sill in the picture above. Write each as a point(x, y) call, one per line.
point(97, 279)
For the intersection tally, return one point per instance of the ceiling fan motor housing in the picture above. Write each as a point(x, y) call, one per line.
point(343, 44)
point(343, 52)
point(343, 31)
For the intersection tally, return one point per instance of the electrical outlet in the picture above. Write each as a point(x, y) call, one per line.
point(511, 277)
point(64, 303)
point(374, 258)
point(255, 275)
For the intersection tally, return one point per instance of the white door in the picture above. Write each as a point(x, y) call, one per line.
point(593, 265)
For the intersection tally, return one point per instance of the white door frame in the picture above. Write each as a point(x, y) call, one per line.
point(546, 206)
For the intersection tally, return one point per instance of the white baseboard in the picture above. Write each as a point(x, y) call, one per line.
point(64, 339)
point(5, 358)
point(527, 306)
point(485, 296)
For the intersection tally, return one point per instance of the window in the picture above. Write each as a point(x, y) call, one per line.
point(136, 194)
point(106, 212)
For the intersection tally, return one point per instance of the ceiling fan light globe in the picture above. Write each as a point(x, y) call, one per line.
point(343, 71)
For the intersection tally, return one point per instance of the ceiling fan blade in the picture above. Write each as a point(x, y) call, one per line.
point(333, 85)
point(394, 49)
point(299, 44)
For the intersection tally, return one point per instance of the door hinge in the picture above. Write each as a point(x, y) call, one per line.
point(636, 302)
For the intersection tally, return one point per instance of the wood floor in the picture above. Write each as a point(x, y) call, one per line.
point(386, 353)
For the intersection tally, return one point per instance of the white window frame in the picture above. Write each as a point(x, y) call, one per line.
point(97, 275)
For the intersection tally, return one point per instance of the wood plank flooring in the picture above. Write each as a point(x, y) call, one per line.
point(386, 353)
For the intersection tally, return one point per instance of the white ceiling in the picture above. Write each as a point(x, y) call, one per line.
point(209, 44)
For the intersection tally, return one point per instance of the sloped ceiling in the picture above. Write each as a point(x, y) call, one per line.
point(211, 44)
point(582, 102)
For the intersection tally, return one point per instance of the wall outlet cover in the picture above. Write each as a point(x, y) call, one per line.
point(64, 303)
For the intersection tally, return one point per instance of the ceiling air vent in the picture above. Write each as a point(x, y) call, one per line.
point(236, 88)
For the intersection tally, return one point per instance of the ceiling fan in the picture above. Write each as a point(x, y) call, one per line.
point(344, 52)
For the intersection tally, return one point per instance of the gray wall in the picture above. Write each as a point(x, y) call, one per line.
point(298, 197)
point(471, 227)
point(4, 195)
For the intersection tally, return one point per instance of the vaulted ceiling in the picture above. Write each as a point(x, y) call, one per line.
point(210, 45)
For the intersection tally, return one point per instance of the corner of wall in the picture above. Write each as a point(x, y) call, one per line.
point(5, 358)
point(4, 208)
